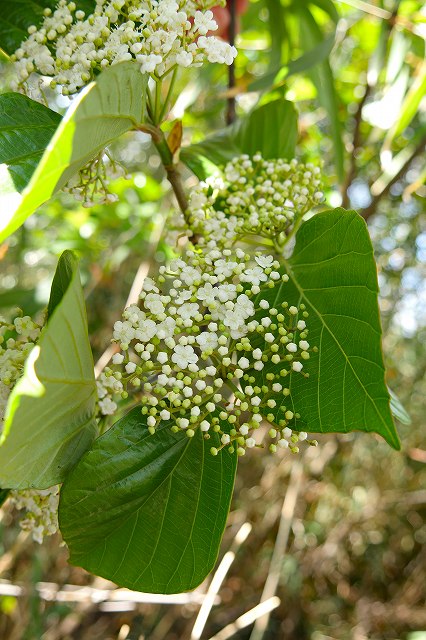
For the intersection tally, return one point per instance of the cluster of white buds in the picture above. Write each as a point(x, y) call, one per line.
point(17, 339)
point(253, 197)
point(90, 185)
point(208, 350)
point(161, 35)
point(41, 505)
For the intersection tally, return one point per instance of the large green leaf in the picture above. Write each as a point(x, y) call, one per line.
point(147, 512)
point(332, 271)
point(26, 128)
point(49, 419)
point(18, 15)
point(103, 111)
point(270, 128)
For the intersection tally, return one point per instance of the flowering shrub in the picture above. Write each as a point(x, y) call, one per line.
point(262, 328)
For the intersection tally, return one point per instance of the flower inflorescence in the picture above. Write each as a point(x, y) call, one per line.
point(160, 35)
point(253, 197)
point(41, 506)
point(90, 185)
point(17, 339)
point(207, 351)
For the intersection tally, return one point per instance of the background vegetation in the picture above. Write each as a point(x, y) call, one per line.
point(341, 538)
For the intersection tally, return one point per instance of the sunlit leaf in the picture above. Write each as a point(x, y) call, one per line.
point(49, 419)
point(103, 111)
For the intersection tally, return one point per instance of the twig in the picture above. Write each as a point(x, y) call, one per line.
point(132, 298)
point(378, 12)
point(171, 168)
point(50, 591)
point(262, 609)
point(356, 144)
point(371, 209)
point(217, 581)
point(272, 581)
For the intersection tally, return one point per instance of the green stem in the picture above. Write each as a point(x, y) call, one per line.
point(293, 231)
point(173, 173)
point(157, 102)
point(169, 95)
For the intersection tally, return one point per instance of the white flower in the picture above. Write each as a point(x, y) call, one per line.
point(254, 276)
point(107, 406)
point(146, 331)
point(183, 356)
point(207, 340)
point(123, 332)
point(188, 310)
point(154, 303)
point(265, 261)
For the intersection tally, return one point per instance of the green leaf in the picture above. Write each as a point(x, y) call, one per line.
point(67, 266)
point(17, 16)
point(204, 157)
point(4, 494)
point(148, 512)
point(314, 56)
point(26, 128)
point(332, 271)
point(277, 29)
point(49, 419)
point(327, 6)
point(270, 128)
point(323, 79)
point(103, 111)
point(409, 108)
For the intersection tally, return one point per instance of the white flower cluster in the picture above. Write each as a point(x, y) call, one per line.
point(16, 341)
point(90, 185)
point(161, 35)
point(41, 506)
point(208, 350)
point(253, 197)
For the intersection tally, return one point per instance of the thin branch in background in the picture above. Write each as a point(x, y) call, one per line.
point(231, 114)
point(356, 144)
point(53, 592)
point(133, 297)
point(218, 578)
point(372, 208)
point(366, 7)
point(275, 566)
point(260, 610)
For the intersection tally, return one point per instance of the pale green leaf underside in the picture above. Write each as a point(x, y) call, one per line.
point(103, 111)
point(50, 414)
point(147, 512)
point(332, 271)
